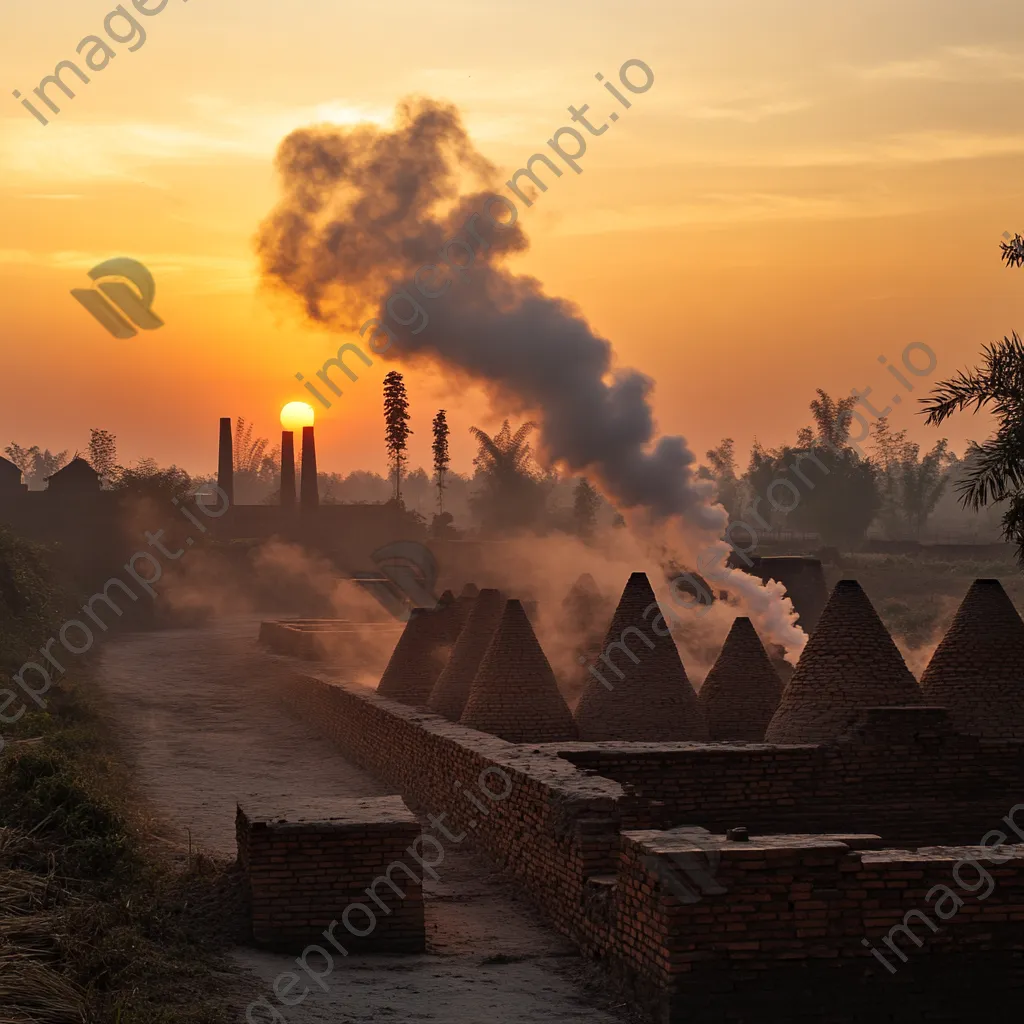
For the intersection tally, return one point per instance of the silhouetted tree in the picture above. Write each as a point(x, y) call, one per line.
point(585, 503)
point(103, 454)
point(512, 495)
point(910, 485)
point(721, 469)
point(396, 425)
point(442, 459)
point(995, 468)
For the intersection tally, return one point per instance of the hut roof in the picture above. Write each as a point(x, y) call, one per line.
point(515, 695)
point(742, 691)
point(451, 690)
point(645, 694)
point(850, 663)
point(977, 671)
point(416, 660)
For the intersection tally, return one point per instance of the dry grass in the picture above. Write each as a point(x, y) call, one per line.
point(99, 924)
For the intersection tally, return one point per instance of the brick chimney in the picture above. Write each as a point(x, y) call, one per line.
point(287, 469)
point(309, 493)
point(226, 461)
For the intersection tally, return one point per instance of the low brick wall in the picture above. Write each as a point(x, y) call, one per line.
point(782, 917)
point(305, 869)
point(901, 773)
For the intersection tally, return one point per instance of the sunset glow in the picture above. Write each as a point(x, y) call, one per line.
point(296, 415)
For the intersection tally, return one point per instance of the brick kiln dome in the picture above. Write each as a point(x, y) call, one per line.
point(977, 671)
point(850, 663)
point(742, 691)
point(416, 661)
point(515, 695)
point(652, 700)
point(451, 690)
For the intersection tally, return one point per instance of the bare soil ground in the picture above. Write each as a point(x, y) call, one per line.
point(198, 713)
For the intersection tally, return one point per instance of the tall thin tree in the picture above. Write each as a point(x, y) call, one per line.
point(396, 425)
point(441, 455)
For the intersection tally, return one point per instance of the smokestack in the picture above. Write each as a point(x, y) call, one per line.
point(226, 460)
point(309, 494)
point(287, 469)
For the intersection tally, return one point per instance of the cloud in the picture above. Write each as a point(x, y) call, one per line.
point(950, 64)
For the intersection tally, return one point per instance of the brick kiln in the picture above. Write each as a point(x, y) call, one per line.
point(742, 691)
point(451, 691)
point(645, 694)
point(850, 664)
point(515, 695)
point(977, 671)
point(417, 659)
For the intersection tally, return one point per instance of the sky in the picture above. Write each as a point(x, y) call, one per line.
point(805, 188)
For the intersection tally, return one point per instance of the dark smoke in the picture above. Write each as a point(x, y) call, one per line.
point(363, 209)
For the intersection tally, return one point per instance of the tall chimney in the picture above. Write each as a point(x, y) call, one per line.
point(287, 469)
point(309, 493)
point(226, 461)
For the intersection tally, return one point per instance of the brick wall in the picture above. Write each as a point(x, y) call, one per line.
point(791, 914)
point(305, 868)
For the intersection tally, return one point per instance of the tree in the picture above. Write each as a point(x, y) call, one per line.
point(994, 468)
point(442, 459)
point(396, 425)
point(722, 470)
point(513, 495)
point(586, 501)
point(103, 454)
point(910, 486)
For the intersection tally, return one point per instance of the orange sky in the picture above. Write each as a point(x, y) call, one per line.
point(805, 187)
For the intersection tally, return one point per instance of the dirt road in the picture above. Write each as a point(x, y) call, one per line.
point(199, 714)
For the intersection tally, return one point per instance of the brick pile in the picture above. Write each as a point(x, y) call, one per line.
point(742, 691)
point(305, 869)
point(451, 689)
point(850, 664)
point(646, 695)
point(417, 659)
point(804, 580)
point(977, 671)
point(515, 695)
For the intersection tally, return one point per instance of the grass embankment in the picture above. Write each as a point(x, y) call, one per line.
point(99, 923)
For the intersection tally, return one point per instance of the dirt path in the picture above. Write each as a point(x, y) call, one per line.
point(199, 713)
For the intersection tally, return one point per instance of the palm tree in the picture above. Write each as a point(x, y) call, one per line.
point(995, 471)
point(513, 495)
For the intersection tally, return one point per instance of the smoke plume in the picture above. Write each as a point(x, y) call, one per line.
point(363, 209)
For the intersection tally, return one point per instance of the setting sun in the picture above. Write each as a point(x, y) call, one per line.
point(296, 415)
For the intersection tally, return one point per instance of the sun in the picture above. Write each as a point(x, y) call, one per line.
point(296, 415)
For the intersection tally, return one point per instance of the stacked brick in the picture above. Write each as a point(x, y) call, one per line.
point(641, 692)
point(804, 580)
point(417, 659)
point(742, 691)
point(307, 870)
point(451, 689)
point(850, 664)
point(515, 695)
point(977, 671)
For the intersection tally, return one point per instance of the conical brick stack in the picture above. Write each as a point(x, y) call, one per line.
point(451, 690)
point(850, 663)
point(515, 695)
point(470, 590)
point(742, 691)
point(449, 617)
point(416, 661)
point(647, 699)
point(977, 671)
